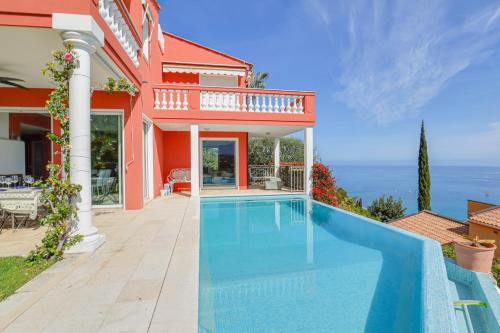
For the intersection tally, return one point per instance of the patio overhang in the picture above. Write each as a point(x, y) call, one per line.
point(253, 130)
point(26, 50)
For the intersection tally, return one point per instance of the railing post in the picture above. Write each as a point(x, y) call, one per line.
point(194, 100)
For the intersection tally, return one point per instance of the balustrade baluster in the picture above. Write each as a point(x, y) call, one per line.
point(294, 107)
point(163, 99)
point(185, 103)
point(157, 99)
point(225, 101)
point(171, 99)
point(301, 106)
point(270, 104)
point(250, 103)
point(257, 103)
point(178, 100)
point(282, 106)
point(244, 106)
point(217, 101)
point(288, 109)
point(264, 105)
point(203, 100)
point(237, 106)
point(276, 106)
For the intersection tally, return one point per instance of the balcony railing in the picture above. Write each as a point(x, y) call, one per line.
point(118, 20)
point(231, 100)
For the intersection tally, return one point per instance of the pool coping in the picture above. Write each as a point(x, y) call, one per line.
point(482, 287)
point(437, 309)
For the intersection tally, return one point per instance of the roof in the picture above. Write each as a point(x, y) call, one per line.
point(426, 223)
point(489, 217)
point(183, 51)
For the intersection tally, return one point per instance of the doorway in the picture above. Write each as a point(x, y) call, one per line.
point(219, 163)
point(147, 159)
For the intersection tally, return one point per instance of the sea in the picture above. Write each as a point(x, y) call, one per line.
point(451, 186)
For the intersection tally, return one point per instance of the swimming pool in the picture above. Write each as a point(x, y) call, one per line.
point(289, 264)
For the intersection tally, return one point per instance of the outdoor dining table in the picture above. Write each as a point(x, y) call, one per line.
point(19, 201)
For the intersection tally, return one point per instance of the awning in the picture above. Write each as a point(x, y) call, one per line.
point(204, 70)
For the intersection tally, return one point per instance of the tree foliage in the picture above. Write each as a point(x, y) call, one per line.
point(257, 80)
point(260, 150)
point(424, 177)
point(387, 209)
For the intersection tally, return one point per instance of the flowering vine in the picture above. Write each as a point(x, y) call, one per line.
point(324, 186)
point(58, 192)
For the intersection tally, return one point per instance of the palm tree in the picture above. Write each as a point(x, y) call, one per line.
point(257, 80)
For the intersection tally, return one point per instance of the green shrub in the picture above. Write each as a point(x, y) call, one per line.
point(387, 209)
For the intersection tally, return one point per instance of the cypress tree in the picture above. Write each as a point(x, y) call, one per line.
point(424, 177)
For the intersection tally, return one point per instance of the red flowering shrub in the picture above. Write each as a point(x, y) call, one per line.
point(323, 187)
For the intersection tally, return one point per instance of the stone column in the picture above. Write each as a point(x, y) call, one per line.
point(308, 158)
point(79, 113)
point(276, 159)
point(195, 161)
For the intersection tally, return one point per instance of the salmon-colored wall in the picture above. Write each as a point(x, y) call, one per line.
point(178, 153)
point(484, 232)
point(16, 119)
point(181, 78)
point(158, 160)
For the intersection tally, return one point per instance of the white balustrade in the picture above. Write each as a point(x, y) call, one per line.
point(229, 101)
point(111, 14)
point(250, 102)
point(171, 99)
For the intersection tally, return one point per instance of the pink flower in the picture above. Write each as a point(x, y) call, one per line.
point(68, 56)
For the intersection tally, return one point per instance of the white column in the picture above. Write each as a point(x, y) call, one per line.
point(195, 161)
point(308, 158)
point(276, 158)
point(79, 114)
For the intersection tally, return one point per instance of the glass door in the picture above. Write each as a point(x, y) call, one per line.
point(106, 159)
point(219, 163)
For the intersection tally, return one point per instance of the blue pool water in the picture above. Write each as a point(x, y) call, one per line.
point(286, 264)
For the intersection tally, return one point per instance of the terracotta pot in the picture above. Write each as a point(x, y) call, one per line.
point(477, 259)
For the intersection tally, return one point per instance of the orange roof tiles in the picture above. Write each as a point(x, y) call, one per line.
point(440, 228)
point(489, 217)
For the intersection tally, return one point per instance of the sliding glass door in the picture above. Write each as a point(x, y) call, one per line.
point(219, 162)
point(106, 159)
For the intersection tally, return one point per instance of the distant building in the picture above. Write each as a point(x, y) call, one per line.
point(429, 224)
point(484, 221)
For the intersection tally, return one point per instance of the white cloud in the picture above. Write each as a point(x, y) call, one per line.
point(398, 55)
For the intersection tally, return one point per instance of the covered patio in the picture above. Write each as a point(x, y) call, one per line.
point(214, 159)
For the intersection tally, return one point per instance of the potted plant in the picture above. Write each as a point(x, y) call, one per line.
point(475, 254)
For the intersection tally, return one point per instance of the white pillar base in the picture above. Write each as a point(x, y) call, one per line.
point(89, 243)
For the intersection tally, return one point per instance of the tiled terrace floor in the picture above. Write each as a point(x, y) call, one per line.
point(144, 278)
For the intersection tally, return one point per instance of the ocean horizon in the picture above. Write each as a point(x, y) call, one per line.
point(451, 186)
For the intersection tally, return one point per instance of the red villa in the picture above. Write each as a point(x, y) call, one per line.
point(191, 108)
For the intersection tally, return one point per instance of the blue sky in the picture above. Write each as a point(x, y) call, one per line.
point(378, 69)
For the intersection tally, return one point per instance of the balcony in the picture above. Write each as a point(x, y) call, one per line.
point(116, 16)
point(232, 103)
